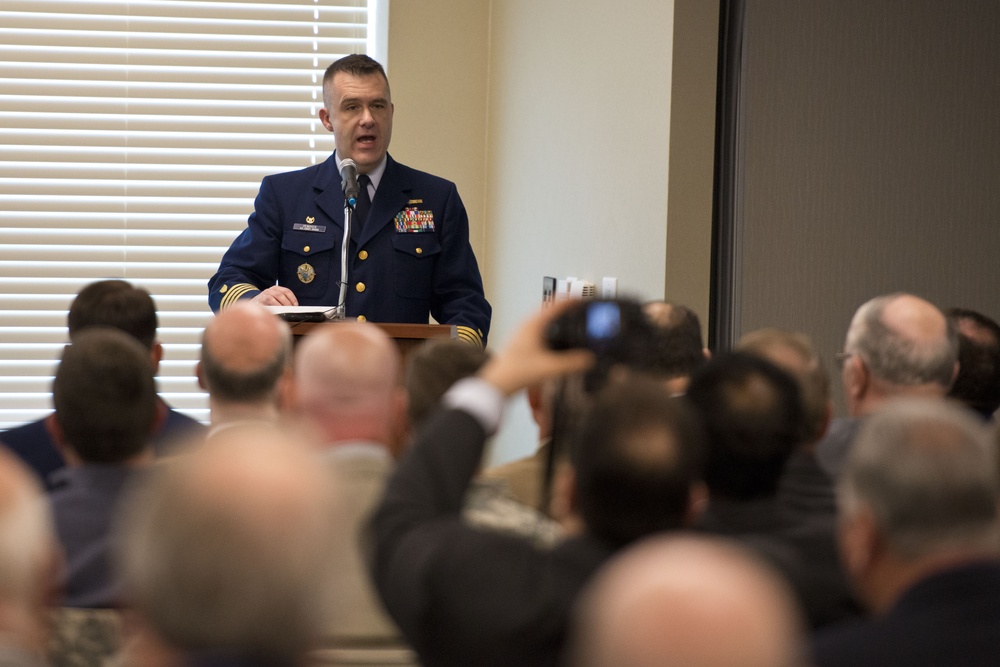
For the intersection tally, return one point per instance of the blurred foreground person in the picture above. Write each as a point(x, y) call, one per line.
point(918, 514)
point(686, 602)
point(225, 554)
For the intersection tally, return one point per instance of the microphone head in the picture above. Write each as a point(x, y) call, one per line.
point(349, 180)
point(348, 167)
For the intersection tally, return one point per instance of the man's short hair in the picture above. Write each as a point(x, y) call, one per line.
point(978, 381)
point(356, 64)
point(927, 471)
point(432, 368)
point(753, 417)
point(814, 381)
point(27, 533)
point(895, 357)
point(245, 386)
point(679, 348)
point(227, 549)
point(105, 395)
point(636, 455)
point(116, 304)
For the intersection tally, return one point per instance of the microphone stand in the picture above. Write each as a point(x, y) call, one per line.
point(340, 312)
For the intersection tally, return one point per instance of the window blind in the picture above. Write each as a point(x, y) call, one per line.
point(133, 138)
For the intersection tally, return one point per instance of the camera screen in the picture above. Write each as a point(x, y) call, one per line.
point(603, 322)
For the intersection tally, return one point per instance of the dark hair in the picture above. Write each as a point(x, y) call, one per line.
point(356, 64)
point(679, 348)
point(432, 368)
point(105, 395)
point(636, 455)
point(116, 304)
point(978, 382)
point(753, 416)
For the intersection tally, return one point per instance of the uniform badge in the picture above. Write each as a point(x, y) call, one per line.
point(223, 289)
point(306, 273)
point(411, 220)
point(310, 219)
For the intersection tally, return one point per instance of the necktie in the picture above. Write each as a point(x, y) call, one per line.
point(361, 207)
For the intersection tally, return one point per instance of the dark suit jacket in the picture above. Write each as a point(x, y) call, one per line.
point(802, 549)
point(463, 596)
point(84, 502)
point(411, 259)
point(950, 618)
point(33, 442)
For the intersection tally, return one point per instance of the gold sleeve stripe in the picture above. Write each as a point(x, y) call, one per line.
point(235, 292)
point(469, 335)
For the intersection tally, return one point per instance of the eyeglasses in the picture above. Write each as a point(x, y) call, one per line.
point(841, 358)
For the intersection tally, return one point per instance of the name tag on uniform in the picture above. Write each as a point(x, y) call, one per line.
point(300, 227)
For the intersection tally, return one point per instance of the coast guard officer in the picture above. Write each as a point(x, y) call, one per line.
point(409, 251)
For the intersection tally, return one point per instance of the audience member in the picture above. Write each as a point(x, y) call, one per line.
point(225, 554)
point(347, 388)
point(106, 303)
point(105, 400)
point(977, 384)
point(432, 368)
point(686, 602)
point(469, 597)
point(896, 346)
point(679, 343)
point(918, 504)
point(804, 489)
point(245, 366)
point(29, 565)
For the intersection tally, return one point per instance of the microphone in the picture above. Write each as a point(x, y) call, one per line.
point(349, 176)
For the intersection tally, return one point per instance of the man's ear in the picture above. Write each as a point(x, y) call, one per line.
point(697, 503)
point(200, 374)
point(859, 541)
point(55, 430)
point(856, 378)
point(324, 117)
point(156, 356)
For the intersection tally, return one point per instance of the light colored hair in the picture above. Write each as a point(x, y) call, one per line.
point(927, 471)
point(228, 548)
point(894, 356)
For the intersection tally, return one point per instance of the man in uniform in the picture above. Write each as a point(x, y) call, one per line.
point(409, 249)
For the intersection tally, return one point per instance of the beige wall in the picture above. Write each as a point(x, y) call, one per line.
point(554, 118)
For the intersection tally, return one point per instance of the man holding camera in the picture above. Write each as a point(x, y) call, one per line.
point(468, 597)
point(409, 249)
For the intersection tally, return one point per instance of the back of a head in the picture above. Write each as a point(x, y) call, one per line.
point(978, 381)
point(245, 351)
point(105, 395)
point(686, 602)
point(346, 369)
point(678, 341)
point(753, 418)
point(927, 471)
point(904, 341)
point(27, 538)
point(116, 304)
point(794, 353)
point(432, 368)
point(636, 455)
point(227, 549)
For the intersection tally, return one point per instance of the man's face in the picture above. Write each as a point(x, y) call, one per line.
point(358, 111)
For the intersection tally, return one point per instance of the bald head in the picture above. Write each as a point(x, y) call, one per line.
point(898, 344)
point(347, 381)
point(227, 548)
point(685, 601)
point(245, 351)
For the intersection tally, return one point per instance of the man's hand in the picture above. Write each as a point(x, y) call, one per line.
point(276, 296)
point(527, 359)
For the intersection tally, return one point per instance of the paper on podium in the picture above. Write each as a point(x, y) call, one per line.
point(302, 313)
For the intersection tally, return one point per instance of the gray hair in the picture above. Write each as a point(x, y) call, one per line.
point(246, 386)
point(927, 470)
point(896, 357)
